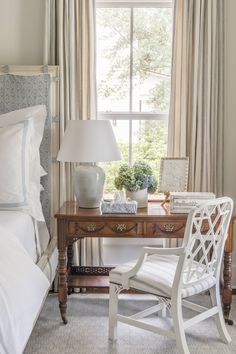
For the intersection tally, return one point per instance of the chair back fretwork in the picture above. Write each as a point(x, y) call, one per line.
point(205, 237)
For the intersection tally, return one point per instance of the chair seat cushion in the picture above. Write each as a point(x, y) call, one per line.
point(157, 275)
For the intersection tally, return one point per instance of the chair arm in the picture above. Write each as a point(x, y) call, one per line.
point(164, 251)
point(130, 273)
point(145, 251)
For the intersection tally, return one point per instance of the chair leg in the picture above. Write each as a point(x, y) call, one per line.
point(113, 309)
point(176, 312)
point(219, 318)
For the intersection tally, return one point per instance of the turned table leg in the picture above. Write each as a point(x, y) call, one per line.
point(227, 275)
point(62, 294)
point(227, 290)
point(69, 262)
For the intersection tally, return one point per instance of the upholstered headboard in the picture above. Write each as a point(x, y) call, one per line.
point(26, 86)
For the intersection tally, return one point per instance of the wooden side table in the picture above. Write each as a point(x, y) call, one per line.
point(74, 223)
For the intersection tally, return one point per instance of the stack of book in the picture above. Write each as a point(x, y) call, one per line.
point(183, 202)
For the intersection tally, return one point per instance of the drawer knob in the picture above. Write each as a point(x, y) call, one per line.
point(120, 227)
point(85, 228)
point(169, 227)
point(91, 227)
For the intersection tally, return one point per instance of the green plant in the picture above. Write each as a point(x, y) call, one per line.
point(136, 177)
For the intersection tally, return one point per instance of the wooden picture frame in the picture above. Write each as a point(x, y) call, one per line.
point(174, 174)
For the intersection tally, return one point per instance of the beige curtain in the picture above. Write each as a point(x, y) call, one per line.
point(197, 96)
point(70, 43)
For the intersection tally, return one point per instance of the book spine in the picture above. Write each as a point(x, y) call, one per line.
point(183, 203)
point(187, 197)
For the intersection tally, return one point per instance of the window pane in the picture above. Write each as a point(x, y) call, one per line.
point(121, 130)
point(149, 143)
point(151, 59)
point(113, 59)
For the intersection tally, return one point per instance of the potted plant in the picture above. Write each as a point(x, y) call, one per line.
point(137, 180)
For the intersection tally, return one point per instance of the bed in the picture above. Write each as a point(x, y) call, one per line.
point(28, 252)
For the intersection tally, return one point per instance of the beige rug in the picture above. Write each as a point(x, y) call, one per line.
point(87, 328)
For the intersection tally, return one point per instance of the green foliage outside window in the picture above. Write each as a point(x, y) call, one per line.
point(152, 32)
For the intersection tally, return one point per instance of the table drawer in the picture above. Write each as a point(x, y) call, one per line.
point(165, 228)
point(105, 229)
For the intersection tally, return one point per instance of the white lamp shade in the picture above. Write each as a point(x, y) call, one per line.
point(89, 141)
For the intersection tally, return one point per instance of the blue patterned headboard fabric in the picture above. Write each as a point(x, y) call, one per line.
point(19, 91)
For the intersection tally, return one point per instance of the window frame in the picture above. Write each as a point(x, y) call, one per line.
point(134, 3)
point(130, 116)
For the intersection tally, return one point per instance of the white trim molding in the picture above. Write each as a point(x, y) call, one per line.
point(133, 116)
point(134, 3)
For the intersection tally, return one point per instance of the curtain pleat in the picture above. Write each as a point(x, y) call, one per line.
point(70, 43)
point(197, 91)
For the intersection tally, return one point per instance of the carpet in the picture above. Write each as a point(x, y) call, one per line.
point(87, 328)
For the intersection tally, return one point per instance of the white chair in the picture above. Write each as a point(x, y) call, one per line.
point(174, 274)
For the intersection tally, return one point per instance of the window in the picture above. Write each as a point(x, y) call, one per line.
point(133, 77)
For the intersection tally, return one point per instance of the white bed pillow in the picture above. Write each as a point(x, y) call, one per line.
point(22, 292)
point(25, 196)
point(14, 162)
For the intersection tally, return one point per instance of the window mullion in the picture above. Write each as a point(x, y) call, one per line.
point(132, 116)
point(133, 3)
point(131, 82)
point(131, 60)
point(130, 141)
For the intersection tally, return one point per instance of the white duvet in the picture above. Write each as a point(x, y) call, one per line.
point(23, 288)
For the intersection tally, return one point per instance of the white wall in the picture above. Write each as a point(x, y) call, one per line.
point(21, 31)
point(21, 42)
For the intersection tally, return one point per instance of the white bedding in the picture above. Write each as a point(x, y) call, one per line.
point(21, 225)
point(23, 288)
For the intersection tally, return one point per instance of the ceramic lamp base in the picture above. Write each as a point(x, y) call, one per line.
point(88, 184)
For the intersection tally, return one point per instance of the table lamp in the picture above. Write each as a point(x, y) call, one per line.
point(88, 142)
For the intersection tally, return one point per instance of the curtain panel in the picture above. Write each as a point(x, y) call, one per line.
point(70, 42)
point(197, 91)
